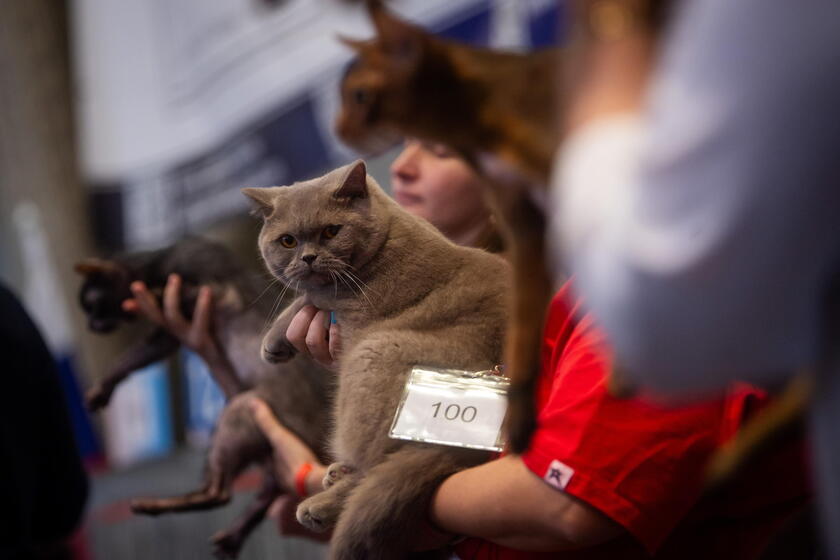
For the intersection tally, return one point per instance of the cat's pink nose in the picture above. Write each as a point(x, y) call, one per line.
point(308, 258)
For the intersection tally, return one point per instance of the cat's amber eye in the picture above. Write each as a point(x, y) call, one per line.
point(331, 231)
point(288, 241)
point(360, 96)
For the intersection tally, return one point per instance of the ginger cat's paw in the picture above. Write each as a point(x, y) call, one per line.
point(319, 513)
point(335, 472)
point(277, 351)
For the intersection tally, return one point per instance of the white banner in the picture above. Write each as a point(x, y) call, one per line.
point(181, 102)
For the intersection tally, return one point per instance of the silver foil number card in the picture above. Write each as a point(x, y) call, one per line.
point(453, 407)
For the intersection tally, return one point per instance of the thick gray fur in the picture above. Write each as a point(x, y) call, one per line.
point(404, 295)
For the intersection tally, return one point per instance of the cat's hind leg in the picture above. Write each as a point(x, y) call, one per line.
point(382, 514)
point(215, 493)
point(237, 442)
point(320, 512)
point(228, 543)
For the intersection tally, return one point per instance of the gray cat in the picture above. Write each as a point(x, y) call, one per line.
point(297, 391)
point(404, 295)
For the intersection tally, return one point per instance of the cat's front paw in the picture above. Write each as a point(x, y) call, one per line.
point(277, 351)
point(335, 472)
point(319, 513)
point(98, 396)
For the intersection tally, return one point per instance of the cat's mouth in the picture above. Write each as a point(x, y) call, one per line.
point(315, 278)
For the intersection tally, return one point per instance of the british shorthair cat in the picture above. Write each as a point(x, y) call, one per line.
point(404, 295)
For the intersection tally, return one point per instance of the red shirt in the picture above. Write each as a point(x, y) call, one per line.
point(642, 464)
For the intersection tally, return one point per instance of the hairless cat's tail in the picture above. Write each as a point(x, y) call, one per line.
point(382, 515)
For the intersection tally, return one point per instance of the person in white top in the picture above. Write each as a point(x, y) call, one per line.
point(699, 208)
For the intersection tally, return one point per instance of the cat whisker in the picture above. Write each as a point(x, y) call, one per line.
point(275, 307)
point(350, 277)
point(335, 284)
point(362, 282)
point(341, 277)
point(268, 287)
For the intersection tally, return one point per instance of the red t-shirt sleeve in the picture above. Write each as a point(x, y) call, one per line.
point(640, 464)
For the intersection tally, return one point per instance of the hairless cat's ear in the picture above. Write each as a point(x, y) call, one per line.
point(263, 200)
point(354, 182)
point(90, 266)
point(399, 38)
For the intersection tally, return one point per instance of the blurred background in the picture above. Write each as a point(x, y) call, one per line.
point(127, 125)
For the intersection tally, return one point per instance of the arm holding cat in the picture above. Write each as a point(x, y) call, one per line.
point(290, 453)
point(522, 512)
point(196, 334)
point(308, 333)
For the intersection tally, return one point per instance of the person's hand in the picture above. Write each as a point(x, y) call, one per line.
point(289, 451)
point(313, 335)
point(197, 335)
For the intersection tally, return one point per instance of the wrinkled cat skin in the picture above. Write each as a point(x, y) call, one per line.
point(403, 295)
point(295, 391)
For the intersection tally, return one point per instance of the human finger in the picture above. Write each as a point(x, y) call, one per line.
point(317, 339)
point(335, 341)
point(200, 327)
point(172, 306)
point(299, 328)
point(146, 303)
point(130, 305)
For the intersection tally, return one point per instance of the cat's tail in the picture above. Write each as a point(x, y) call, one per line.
point(381, 517)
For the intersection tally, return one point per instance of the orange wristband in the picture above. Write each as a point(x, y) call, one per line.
point(300, 479)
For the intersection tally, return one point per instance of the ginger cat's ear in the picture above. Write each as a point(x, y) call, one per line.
point(263, 200)
point(354, 182)
point(357, 45)
point(91, 266)
point(398, 37)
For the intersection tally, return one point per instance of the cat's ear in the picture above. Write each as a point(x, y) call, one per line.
point(357, 45)
point(354, 182)
point(263, 200)
point(91, 266)
point(399, 38)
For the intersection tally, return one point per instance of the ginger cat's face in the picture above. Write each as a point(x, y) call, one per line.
point(382, 83)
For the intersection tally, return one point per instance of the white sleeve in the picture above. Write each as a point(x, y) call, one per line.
point(701, 235)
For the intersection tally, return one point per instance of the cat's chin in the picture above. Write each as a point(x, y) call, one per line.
point(315, 280)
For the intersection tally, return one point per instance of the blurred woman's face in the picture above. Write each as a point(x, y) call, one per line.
point(430, 181)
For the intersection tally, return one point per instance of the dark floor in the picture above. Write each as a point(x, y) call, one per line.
point(112, 532)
